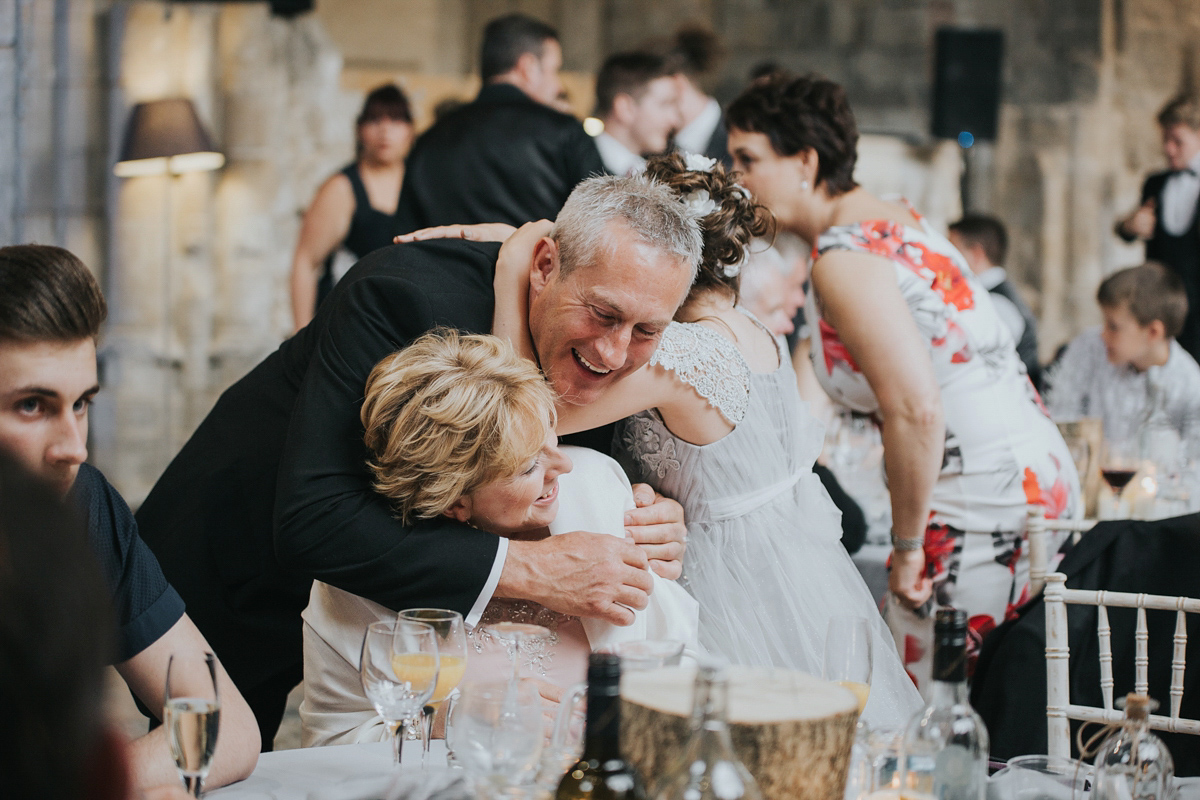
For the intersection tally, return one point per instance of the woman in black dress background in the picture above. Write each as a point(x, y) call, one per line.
point(356, 207)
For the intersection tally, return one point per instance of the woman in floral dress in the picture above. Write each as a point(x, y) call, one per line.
point(904, 332)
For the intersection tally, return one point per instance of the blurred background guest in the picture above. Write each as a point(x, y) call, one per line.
point(897, 333)
point(355, 210)
point(983, 242)
point(1167, 220)
point(637, 99)
point(508, 156)
point(1131, 372)
point(696, 54)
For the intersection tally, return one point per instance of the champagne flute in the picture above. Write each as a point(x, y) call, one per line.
point(848, 656)
point(452, 658)
point(399, 671)
point(191, 714)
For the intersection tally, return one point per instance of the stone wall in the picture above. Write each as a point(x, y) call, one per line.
point(1082, 81)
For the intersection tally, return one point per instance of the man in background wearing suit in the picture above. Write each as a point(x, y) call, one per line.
point(508, 156)
point(1168, 220)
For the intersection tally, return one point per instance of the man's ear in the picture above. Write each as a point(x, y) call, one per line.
point(624, 108)
point(527, 67)
point(545, 264)
point(461, 510)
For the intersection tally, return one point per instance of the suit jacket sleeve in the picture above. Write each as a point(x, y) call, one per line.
point(580, 156)
point(329, 523)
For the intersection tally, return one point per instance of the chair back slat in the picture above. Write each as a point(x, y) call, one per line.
point(1059, 709)
point(1141, 657)
point(1037, 529)
point(1178, 662)
point(1104, 633)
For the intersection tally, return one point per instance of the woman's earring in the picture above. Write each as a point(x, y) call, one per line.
point(804, 185)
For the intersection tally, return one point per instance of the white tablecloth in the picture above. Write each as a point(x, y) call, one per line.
point(339, 772)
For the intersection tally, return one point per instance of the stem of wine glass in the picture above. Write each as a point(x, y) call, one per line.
point(398, 740)
point(426, 732)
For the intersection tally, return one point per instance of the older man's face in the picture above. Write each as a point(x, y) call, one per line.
point(603, 320)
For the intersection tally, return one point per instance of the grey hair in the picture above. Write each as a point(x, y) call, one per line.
point(654, 213)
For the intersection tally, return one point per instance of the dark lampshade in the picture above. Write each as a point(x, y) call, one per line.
point(166, 136)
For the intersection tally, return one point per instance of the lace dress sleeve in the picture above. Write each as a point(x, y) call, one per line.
point(710, 364)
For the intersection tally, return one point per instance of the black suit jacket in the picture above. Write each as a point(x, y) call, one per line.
point(272, 490)
point(502, 158)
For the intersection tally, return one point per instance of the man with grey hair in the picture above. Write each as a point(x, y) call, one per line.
point(273, 490)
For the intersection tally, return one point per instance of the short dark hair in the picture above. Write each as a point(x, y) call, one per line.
point(47, 294)
point(1183, 109)
point(627, 73)
point(796, 114)
point(1150, 292)
point(696, 50)
point(56, 637)
point(987, 232)
point(507, 38)
point(385, 102)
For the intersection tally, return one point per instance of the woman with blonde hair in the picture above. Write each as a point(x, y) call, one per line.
point(459, 425)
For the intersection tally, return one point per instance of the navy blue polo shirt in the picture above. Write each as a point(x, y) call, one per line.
point(145, 604)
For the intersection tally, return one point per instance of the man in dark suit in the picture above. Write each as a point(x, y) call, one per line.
point(1168, 219)
point(282, 451)
point(508, 156)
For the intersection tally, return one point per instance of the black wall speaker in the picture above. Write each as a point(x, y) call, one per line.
point(966, 84)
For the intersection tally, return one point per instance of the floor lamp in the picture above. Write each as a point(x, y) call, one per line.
point(165, 137)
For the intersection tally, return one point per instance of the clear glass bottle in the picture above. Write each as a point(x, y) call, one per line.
point(709, 769)
point(945, 746)
point(1133, 763)
point(601, 772)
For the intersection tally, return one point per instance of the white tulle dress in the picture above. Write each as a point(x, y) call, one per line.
point(764, 555)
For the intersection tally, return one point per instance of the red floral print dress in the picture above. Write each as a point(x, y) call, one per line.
point(1001, 450)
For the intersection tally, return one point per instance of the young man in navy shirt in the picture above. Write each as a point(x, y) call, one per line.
point(51, 309)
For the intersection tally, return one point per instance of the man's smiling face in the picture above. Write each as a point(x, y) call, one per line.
point(602, 320)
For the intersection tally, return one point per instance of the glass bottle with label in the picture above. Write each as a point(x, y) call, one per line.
point(946, 744)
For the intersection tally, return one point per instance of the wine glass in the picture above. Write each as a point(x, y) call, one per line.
point(452, 658)
point(1120, 463)
point(518, 636)
point(191, 714)
point(646, 654)
point(847, 659)
point(399, 670)
point(496, 732)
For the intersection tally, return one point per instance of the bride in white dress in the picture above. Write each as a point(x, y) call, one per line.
point(728, 436)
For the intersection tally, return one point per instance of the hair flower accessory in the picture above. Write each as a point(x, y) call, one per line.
point(698, 163)
point(732, 270)
point(699, 203)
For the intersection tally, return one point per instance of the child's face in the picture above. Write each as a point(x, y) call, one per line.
point(1126, 342)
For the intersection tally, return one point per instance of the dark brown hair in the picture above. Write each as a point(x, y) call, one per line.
point(696, 50)
point(796, 114)
point(728, 229)
point(47, 294)
point(987, 232)
point(507, 38)
point(1150, 292)
point(1181, 110)
point(56, 633)
point(627, 73)
point(385, 102)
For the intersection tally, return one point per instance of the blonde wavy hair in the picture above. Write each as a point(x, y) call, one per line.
point(451, 413)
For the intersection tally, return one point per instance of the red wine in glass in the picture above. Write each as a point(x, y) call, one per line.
point(1118, 478)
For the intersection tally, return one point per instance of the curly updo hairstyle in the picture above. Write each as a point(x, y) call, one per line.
point(798, 113)
point(728, 229)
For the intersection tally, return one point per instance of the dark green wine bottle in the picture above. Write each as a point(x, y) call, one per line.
point(602, 773)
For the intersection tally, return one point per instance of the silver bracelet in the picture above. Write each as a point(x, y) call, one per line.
point(901, 545)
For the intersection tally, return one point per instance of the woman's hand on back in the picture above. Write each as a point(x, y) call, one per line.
point(483, 232)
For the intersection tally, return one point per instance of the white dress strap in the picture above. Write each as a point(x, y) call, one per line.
point(709, 363)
